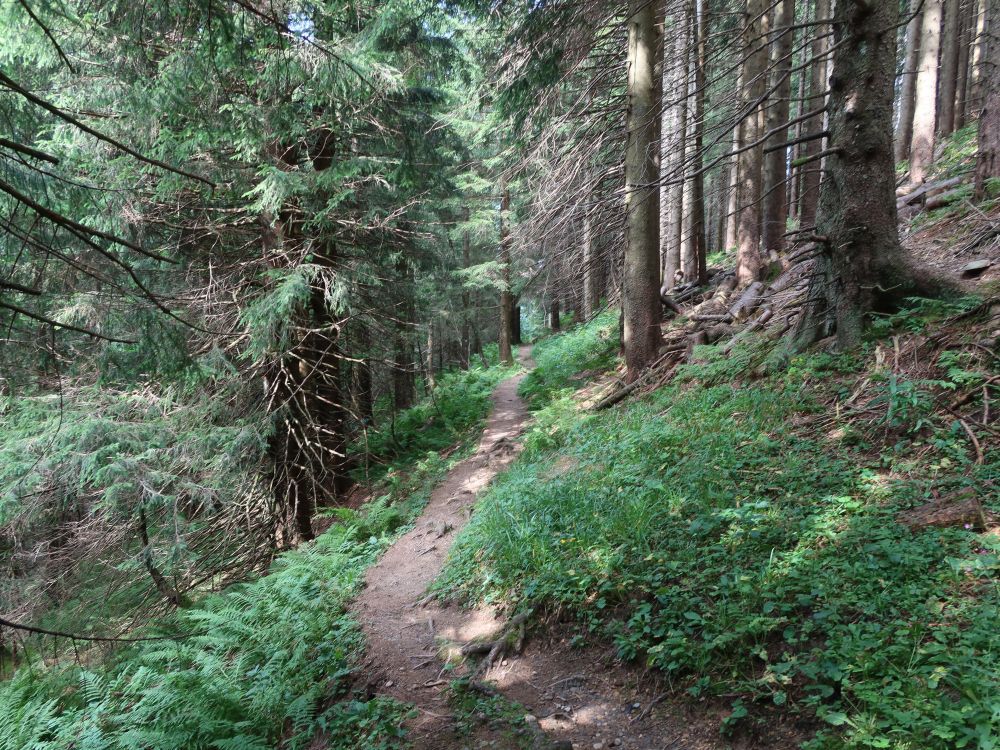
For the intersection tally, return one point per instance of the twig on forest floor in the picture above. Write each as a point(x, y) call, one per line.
point(645, 712)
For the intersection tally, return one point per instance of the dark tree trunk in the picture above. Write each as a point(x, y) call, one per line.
point(964, 46)
point(554, 314)
point(402, 371)
point(988, 157)
point(309, 445)
point(515, 326)
point(858, 205)
point(361, 380)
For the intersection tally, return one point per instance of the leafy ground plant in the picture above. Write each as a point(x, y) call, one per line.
point(706, 535)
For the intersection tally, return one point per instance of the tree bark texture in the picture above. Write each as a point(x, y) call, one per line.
point(507, 293)
point(964, 48)
point(640, 277)
point(949, 68)
point(591, 269)
point(699, 28)
point(811, 172)
point(775, 206)
point(858, 205)
point(988, 157)
point(749, 264)
point(924, 108)
point(677, 74)
point(908, 86)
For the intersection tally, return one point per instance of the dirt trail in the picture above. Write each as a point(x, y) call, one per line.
point(580, 696)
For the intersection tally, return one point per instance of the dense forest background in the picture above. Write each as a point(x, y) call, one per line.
point(261, 263)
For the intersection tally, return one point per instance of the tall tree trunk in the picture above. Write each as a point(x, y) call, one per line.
point(811, 172)
point(988, 157)
point(949, 68)
point(796, 172)
point(699, 26)
point(688, 262)
point(641, 272)
point(554, 313)
point(924, 114)
point(732, 199)
point(591, 269)
point(402, 358)
point(908, 86)
point(964, 44)
point(979, 58)
point(361, 378)
point(677, 166)
point(669, 160)
point(429, 367)
point(515, 324)
point(465, 341)
point(721, 206)
point(775, 205)
point(858, 205)
point(749, 264)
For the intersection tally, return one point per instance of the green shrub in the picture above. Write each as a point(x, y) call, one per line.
point(460, 402)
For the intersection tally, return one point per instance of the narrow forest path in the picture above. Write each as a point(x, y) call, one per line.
point(582, 697)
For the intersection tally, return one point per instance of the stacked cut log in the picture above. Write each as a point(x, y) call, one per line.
point(928, 196)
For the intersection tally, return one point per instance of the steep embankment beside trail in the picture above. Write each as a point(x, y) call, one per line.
point(806, 555)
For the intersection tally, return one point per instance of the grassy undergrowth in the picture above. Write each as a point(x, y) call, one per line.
point(458, 404)
point(562, 358)
point(264, 664)
point(706, 534)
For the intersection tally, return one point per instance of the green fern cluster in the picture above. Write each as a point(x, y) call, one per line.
point(266, 662)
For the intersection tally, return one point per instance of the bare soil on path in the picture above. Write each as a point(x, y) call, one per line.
point(578, 697)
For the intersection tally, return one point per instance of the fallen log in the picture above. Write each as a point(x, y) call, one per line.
point(748, 301)
point(757, 324)
point(645, 378)
point(943, 199)
point(926, 189)
point(946, 512)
